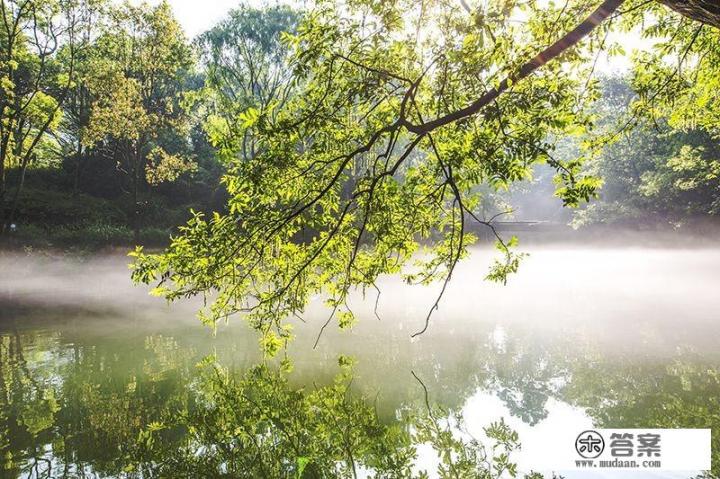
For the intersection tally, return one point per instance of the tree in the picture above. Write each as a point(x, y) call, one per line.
point(260, 426)
point(34, 85)
point(140, 63)
point(653, 173)
point(70, 135)
point(244, 63)
point(426, 100)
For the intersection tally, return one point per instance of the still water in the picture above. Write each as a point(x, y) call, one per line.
point(582, 338)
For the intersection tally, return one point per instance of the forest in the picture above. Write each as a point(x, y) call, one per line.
point(417, 234)
point(116, 125)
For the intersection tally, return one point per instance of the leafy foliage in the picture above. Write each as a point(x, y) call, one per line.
point(259, 426)
point(33, 83)
point(244, 61)
point(346, 182)
point(655, 173)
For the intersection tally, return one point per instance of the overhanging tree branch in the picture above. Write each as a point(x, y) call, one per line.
point(605, 10)
point(354, 162)
point(703, 11)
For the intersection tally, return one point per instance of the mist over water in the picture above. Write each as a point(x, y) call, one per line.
point(607, 289)
point(581, 336)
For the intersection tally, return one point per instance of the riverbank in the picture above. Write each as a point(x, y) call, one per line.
point(109, 239)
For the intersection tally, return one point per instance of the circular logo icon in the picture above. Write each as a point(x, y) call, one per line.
point(590, 444)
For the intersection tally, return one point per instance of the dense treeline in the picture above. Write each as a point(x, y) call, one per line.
point(115, 125)
point(663, 171)
point(657, 174)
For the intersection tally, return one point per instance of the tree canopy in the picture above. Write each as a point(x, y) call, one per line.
point(357, 139)
point(401, 110)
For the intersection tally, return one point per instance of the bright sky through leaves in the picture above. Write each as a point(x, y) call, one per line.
point(198, 16)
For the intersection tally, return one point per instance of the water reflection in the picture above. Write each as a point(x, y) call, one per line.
point(71, 406)
point(109, 385)
point(79, 411)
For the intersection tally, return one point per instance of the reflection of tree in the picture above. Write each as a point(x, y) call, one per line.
point(684, 393)
point(521, 370)
point(27, 407)
point(619, 388)
point(524, 376)
point(69, 409)
point(120, 406)
point(260, 426)
point(66, 410)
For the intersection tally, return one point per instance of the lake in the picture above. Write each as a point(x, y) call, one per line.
point(580, 338)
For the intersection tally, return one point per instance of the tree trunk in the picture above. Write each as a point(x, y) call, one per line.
point(569, 40)
point(2, 195)
point(78, 167)
point(4, 145)
point(21, 184)
point(703, 11)
point(136, 196)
